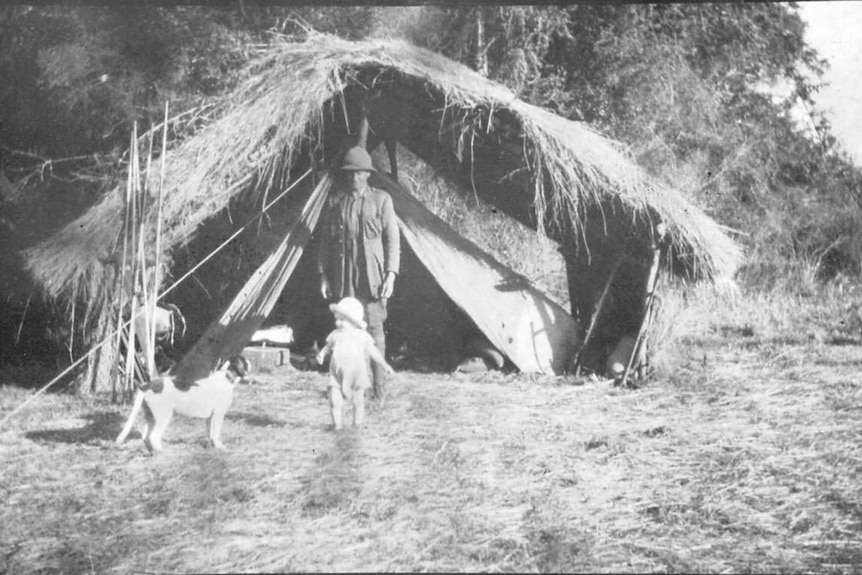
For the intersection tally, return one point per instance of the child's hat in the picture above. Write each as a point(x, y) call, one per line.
point(350, 309)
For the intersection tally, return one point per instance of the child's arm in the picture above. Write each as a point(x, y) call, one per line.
point(378, 358)
point(327, 349)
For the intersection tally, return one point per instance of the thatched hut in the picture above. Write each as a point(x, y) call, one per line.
point(292, 113)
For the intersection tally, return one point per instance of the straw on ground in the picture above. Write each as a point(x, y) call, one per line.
point(746, 459)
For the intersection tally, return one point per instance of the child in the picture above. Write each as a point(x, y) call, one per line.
point(352, 348)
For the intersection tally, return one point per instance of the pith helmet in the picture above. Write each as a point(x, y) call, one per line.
point(350, 309)
point(357, 159)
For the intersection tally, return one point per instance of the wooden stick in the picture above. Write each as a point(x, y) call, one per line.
point(156, 269)
point(595, 315)
point(362, 138)
point(139, 289)
point(133, 243)
point(149, 159)
point(647, 313)
point(142, 256)
point(642, 352)
point(122, 291)
point(151, 302)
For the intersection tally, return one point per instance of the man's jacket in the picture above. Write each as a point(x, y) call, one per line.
point(379, 242)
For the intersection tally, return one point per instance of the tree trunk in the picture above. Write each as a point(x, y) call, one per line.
point(480, 56)
point(100, 365)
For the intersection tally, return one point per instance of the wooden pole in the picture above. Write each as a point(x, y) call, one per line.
point(642, 352)
point(362, 138)
point(138, 297)
point(151, 365)
point(133, 272)
point(595, 315)
point(143, 190)
point(647, 312)
point(121, 299)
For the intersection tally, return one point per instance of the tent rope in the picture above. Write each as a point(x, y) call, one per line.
point(168, 290)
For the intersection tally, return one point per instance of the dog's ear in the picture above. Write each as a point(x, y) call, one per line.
point(246, 366)
point(239, 364)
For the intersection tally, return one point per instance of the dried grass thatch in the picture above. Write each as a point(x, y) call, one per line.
point(294, 107)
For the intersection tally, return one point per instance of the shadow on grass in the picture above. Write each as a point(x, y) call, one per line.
point(798, 340)
point(560, 549)
point(833, 362)
point(260, 420)
point(841, 340)
point(335, 481)
point(429, 407)
point(100, 426)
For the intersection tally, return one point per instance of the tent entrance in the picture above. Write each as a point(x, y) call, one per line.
point(424, 326)
point(534, 333)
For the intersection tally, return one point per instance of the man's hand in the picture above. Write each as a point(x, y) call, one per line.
point(320, 358)
point(325, 289)
point(388, 285)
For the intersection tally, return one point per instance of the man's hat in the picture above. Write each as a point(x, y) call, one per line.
point(357, 159)
point(350, 309)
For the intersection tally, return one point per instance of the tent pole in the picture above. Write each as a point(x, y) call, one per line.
point(363, 131)
point(595, 316)
point(649, 300)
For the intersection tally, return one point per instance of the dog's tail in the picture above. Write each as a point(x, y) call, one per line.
point(136, 407)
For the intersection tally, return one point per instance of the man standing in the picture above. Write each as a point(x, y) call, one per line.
point(360, 249)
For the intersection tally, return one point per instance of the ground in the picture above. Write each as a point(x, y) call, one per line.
point(745, 458)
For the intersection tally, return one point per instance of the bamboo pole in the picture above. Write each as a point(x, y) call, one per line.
point(133, 232)
point(122, 285)
point(143, 273)
point(647, 313)
point(595, 315)
point(156, 265)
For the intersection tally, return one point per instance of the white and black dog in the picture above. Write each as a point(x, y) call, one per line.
point(207, 398)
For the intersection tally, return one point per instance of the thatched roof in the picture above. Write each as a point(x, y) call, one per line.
point(292, 107)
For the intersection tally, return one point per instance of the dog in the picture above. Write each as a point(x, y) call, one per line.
point(208, 398)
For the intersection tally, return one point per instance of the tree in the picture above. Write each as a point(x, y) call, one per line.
point(686, 86)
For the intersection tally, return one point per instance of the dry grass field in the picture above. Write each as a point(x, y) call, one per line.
point(745, 455)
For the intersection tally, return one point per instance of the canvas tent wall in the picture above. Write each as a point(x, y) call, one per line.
point(300, 100)
point(520, 321)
